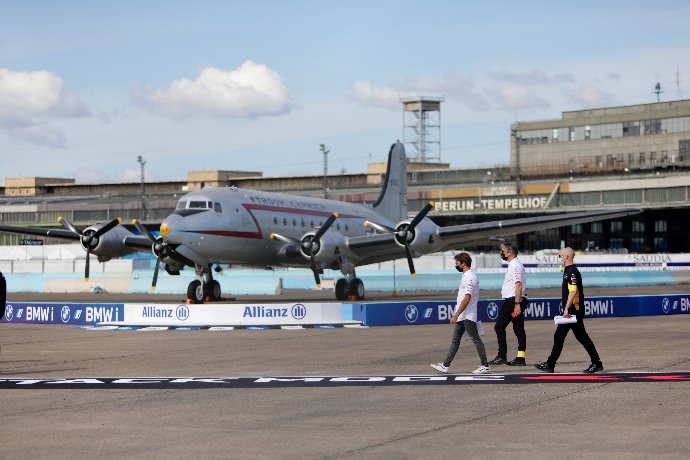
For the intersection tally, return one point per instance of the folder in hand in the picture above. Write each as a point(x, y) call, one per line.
point(564, 320)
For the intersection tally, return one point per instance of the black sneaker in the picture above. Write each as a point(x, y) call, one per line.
point(498, 360)
point(544, 367)
point(594, 368)
point(517, 362)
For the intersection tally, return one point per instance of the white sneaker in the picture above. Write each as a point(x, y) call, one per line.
point(482, 370)
point(440, 367)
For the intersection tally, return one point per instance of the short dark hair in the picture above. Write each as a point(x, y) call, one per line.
point(511, 247)
point(464, 258)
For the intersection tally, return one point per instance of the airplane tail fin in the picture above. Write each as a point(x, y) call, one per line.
point(392, 202)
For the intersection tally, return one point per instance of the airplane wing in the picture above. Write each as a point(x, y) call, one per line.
point(376, 248)
point(51, 232)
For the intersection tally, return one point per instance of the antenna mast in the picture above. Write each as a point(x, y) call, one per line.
point(325, 151)
point(658, 91)
point(144, 210)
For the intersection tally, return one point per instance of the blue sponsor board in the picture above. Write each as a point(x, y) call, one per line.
point(440, 312)
point(62, 313)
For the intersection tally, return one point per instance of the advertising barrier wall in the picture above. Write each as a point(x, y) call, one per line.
point(439, 312)
point(175, 314)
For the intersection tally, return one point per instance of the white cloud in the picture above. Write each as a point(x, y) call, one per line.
point(519, 97)
point(29, 99)
point(134, 175)
point(454, 86)
point(251, 90)
point(589, 96)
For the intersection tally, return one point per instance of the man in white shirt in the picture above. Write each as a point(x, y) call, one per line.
point(465, 317)
point(514, 304)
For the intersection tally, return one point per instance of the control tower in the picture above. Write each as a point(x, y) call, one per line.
point(422, 127)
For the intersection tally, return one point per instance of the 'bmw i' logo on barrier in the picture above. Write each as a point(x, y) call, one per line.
point(492, 310)
point(666, 305)
point(299, 311)
point(182, 312)
point(411, 313)
point(64, 314)
point(9, 313)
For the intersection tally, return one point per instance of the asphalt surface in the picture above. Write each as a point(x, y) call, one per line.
point(606, 419)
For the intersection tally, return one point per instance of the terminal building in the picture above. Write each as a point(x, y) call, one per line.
point(634, 156)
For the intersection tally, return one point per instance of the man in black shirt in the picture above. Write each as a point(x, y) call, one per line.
point(573, 304)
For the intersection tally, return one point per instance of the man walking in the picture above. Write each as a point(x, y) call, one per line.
point(573, 297)
point(465, 317)
point(514, 304)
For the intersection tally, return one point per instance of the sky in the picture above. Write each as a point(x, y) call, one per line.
point(87, 87)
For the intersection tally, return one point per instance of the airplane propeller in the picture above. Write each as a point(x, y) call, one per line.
point(159, 248)
point(311, 243)
point(89, 237)
point(403, 233)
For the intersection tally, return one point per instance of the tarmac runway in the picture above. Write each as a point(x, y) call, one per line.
point(609, 417)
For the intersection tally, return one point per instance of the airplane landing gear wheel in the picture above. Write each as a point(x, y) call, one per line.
point(213, 290)
point(195, 292)
point(357, 289)
point(341, 289)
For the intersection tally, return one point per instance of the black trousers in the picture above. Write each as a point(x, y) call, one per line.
point(505, 318)
point(581, 336)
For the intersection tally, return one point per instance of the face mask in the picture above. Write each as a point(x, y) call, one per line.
point(503, 256)
point(457, 267)
point(560, 262)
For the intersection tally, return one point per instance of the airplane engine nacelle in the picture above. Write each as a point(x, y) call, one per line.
point(422, 238)
point(110, 244)
point(328, 249)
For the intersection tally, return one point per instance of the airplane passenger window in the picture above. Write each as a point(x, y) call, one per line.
point(197, 204)
point(303, 223)
point(217, 207)
point(284, 221)
point(182, 204)
point(294, 222)
point(346, 229)
point(275, 220)
point(338, 227)
point(312, 224)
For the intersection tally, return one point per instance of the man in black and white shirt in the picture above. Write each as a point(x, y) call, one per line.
point(514, 304)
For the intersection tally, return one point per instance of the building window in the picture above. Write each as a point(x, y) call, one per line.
point(576, 228)
point(660, 226)
point(609, 161)
point(684, 150)
point(638, 226)
point(652, 157)
point(631, 159)
point(616, 243)
point(572, 134)
point(660, 244)
point(555, 135)
point(620, 159)
point(664, 156)
point(616, 226)
point(599, 163)
point(642, 159)
point(588, 132)
point(597, 227)
point(637, 244)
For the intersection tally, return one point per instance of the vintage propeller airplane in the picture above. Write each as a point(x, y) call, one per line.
point(229, 225)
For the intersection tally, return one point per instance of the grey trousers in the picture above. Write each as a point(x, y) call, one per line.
point(460, 328)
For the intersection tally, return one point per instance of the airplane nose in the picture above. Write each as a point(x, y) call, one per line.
point(165, 230)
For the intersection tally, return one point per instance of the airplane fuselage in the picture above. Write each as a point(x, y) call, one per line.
point(233, 225)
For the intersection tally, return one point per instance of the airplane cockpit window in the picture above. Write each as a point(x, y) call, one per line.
point(210, 205)
point(197, 204)
point(182, 204)
point(217, 208)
